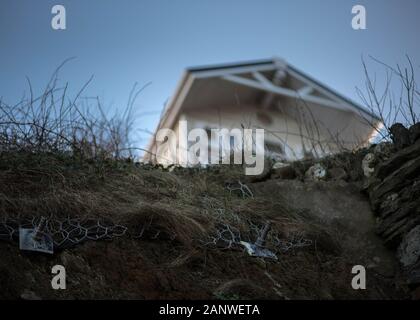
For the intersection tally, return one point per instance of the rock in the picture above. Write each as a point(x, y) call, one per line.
point(395, 201)
point(395, 232)
point(404, 176)
point(279, 165)
point(29, 295)
point(367, 165)
point(383, 151)
point(392, 197)
point(390, 205)
point(397, 160)
point(171, 168)
point(265, 175)
point(380, 148)
point(414, 132)
point(403, 211)
point(316, 172)
point(284, 172)
point(337, 174)
point(400, 136)
point(394, 194)
point(413, 276)
point(409, 249)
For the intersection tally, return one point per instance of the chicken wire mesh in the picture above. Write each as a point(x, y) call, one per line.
point(71, 231)
point(66, 232)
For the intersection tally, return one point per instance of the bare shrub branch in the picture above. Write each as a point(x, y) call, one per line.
point(399, 99)
point(79, 126)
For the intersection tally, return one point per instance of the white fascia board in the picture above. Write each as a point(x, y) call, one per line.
point(280, 63)
point(173, 106)
point(233, 70)
point(173, 111)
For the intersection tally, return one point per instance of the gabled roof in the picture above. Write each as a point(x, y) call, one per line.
point(256, 77)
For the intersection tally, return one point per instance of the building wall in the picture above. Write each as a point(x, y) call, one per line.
point(290, 132)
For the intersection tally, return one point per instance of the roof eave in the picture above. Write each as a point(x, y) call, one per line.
point(191, 73)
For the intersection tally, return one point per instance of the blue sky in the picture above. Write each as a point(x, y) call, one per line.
point(127, 41)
